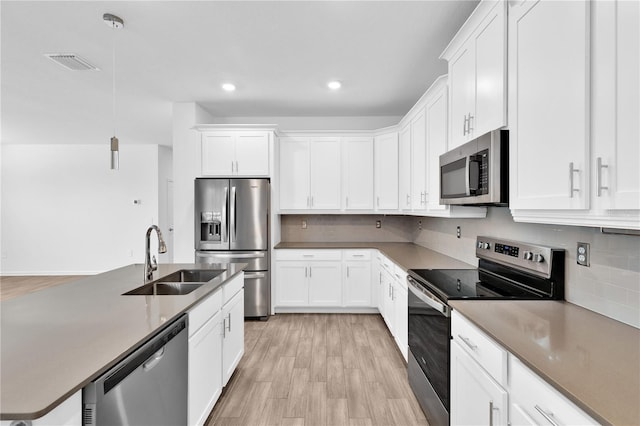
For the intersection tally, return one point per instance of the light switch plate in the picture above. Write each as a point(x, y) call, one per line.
point(304, 224)
point(378, 224)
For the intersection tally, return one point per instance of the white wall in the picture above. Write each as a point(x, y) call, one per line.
point(610, 286)
point(65, 212)
point(314, 123)
point(186, 147)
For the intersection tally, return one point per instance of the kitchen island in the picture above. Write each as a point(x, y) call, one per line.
point(57, 340)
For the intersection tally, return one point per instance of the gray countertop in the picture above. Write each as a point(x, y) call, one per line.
point(57, 340)
point(406, 255)
point(591, 359)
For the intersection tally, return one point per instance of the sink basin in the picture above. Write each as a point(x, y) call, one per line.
point(178, 283)
point(164, 289)
point(192, 276)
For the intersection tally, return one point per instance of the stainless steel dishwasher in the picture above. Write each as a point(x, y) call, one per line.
point(148, 387)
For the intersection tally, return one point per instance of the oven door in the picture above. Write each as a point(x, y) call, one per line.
point(429, 345)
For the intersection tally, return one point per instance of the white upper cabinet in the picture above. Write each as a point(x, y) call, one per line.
point(357, 173)
point(436, 116)
point(616, 104)
point(477, 74)
point(386, 171)
point(235, 153)
point(404, 165)
point(574, 113)
point(310, 173)
point(419, 162)
point(549, 105)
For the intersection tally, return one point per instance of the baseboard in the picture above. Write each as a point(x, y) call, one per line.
point(317, 310)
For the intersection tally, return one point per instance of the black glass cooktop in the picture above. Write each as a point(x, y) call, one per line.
point(471, 284)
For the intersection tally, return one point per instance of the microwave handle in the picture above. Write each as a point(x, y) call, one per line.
point(472, 174)
point(467, 173)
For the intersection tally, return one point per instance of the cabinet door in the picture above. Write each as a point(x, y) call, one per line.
point(386, 172)
point(404, 193)
point(233, 335)
point(357, 284)
point(419, 162)
point(292, 287)
point(616, 104)
point(218, 154)
point(401, 334)
point(252, 154)
point(325, 174)
point(549, 105)
point(389, 306)
point(205, 369)
point(436, 115)
point(461, 95)
point(294, 174)
point(475, 397)
point(490, 73)
point(357, 173)
point(325, 284)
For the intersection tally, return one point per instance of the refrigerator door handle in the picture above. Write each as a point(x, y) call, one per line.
point(224, 229)
point(231, 255)
point(232, 228)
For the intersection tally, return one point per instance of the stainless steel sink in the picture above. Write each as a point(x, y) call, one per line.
point(178, 283)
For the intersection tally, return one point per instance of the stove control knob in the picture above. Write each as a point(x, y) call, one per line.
point(538, 258)
point(486, 246)
point(527, 255)
point(480, 243)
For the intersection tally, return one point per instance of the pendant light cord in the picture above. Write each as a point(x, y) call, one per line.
point(113, 77)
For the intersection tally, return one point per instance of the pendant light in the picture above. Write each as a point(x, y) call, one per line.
point(115, 23)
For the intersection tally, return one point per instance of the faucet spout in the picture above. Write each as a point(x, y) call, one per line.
point(150, 264)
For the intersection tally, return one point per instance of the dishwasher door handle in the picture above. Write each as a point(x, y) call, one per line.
point(153, 360)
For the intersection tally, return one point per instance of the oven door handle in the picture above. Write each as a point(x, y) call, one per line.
point(428, 298)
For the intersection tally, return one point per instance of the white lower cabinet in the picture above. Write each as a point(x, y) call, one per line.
point(534, 401)
point(216, 344)
point(232, 335)
point(476, 398)
point(356, 272)
point(489, 385)
point(205, 370)
point(401, 335)
point(395, 309)
point(325, 286)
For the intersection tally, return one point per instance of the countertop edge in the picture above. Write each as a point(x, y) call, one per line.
point(4, 416)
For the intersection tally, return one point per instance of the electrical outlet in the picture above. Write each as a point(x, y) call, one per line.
point(458, 233)
point(419, 225)
point(304, 224)
point(378, 224)
point(583, 255)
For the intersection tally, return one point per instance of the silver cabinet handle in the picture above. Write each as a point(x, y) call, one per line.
point(599, 167)
point(468, 342)
point(571, 173)
point(308, 205)
point(305, 272)
point(229, 322)
point(469, 127)
point(224, 327)
point(358, 255)
point(378, 201)
point(464, 126)
point(312, 201)
point(547, 415)
point(408, 200)
point(347, 202)
point(237, 167)
point(232, 166)
point(308, 255)
point(309, 271)
point(347, 272)
point(380, 278)
point(490, 413)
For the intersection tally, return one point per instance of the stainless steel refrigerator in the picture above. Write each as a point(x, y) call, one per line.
point(232, 225)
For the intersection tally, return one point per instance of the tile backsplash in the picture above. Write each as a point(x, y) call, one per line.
point(610, 286)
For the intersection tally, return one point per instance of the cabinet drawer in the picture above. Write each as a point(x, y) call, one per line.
point(356, 254)
point(540, 401)
point(203, 311)
point(387, 264)
point(480, 347)
point(400, 276)
point(232, 287)
point(309, 254)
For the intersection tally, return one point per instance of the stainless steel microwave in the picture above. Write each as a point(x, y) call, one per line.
point(477, 173)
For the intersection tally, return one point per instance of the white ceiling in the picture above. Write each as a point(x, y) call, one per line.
point(280, 55)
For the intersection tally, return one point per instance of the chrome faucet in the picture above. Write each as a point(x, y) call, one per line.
point(150, 263)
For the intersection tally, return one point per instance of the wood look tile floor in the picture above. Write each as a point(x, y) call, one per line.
point(318, 369)
point(15, 286)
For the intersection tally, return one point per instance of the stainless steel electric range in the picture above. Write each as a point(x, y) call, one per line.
point(507, 270)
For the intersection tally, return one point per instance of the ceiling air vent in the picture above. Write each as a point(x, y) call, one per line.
point(71, 61)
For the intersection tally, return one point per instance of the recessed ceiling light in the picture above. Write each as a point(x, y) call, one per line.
point(334, 85)
point(229, 87)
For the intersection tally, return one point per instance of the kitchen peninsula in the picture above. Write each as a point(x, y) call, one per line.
point(56, 341)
